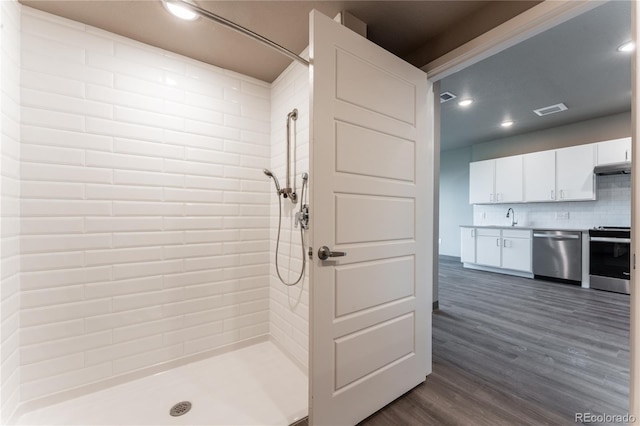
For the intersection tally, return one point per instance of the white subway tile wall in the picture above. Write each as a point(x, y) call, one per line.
point(289, 306)
point(611, 208)
point(10, 209)
point(145, 211)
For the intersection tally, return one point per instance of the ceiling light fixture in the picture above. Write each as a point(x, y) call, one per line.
point(180, 11)
point(507, 123)
point(627, 47)
point(465, 102)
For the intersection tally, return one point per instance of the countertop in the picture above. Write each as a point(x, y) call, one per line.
point(524, 228)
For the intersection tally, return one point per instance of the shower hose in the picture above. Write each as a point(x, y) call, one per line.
point(304, 258)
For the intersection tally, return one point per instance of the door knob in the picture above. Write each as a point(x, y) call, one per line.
point(325, 252)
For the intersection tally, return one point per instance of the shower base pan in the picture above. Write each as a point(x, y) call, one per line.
point(255, 385)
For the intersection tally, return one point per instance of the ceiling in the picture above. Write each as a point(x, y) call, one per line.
point(418, 31)
point(575, 63)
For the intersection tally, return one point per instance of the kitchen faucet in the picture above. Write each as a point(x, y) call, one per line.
point(513, 217)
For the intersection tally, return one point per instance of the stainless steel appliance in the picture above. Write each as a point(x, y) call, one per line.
point(557, 254)
point(609, 258)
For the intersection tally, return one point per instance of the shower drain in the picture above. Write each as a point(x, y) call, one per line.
point(180, 408)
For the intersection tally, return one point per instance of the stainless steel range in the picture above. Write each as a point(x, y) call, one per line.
point(609, 258)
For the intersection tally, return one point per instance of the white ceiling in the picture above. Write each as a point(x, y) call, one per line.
point(575, 63)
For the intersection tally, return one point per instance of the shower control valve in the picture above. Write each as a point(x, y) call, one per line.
point(302, 217)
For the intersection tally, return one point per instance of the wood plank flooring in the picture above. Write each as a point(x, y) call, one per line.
point(515, 351)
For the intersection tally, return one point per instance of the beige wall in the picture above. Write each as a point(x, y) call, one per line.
point(590, 131)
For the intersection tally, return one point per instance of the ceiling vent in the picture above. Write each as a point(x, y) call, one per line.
point(446, 96)
point(550, 109)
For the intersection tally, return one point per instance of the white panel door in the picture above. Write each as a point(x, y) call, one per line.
point(482, 176)
point(509, 179)
point(540, 176)
point(574, 173)
point(370, 315)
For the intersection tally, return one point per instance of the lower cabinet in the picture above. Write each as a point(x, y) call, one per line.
point(468, 245)
point(505, 248)
point(516, 250)
point(488, 247)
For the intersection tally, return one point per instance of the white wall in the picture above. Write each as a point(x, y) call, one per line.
point(9, 208)
point(455, 209)
point(289, 306)
point(612, 208)
point(145, 210)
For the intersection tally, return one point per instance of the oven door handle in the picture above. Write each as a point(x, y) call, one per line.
point(610, 240)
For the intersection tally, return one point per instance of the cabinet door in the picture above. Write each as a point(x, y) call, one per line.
point(481, 182)
point(540, 176)
point(509, 179)
point(614, 151)
point(574, 173)
point(516, 254)
point(488, 247)
point(468, 245)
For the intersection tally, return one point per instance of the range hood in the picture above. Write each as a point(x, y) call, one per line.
point(613, 169)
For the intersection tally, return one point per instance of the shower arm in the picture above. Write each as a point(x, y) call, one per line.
point(239, 28)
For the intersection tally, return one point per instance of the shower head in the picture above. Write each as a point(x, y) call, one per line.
point(272, 176)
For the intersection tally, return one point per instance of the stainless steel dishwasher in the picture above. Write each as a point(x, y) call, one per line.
point(557, 254)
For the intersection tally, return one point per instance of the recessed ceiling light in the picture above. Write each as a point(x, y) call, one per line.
point(465, 102)
point(180, 11)
point(507, 123)
point(627, 47)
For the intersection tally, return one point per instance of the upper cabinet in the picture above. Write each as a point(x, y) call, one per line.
point(614, 151)
point(557, 175)
point(540, 176)
point(509, 179)
point(574, 173)
point(482, 175)
point(496, 181)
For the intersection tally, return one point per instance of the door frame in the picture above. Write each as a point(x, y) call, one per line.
point(532, 22)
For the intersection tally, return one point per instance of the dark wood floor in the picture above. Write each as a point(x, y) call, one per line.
point(509, 351)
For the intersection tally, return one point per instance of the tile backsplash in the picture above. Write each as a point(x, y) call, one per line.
point(611, 208)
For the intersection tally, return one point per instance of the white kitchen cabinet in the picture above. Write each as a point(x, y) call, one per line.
point(488, 247)
point(574, 173)
point(482, 182)
point(516, 250)
point(540, 176)
point(468, 245)
point(508, 182)
point(496, 181)
point(506, 249)
point(614, 151)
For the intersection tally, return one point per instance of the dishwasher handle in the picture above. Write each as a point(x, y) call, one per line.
point(557, 236)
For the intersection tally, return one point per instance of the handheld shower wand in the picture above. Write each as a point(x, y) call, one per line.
point(275, 179)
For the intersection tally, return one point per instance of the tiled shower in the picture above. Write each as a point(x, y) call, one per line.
point(138, 229)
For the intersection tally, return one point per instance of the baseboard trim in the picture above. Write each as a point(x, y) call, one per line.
point(45, 401)
point(498, 270)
